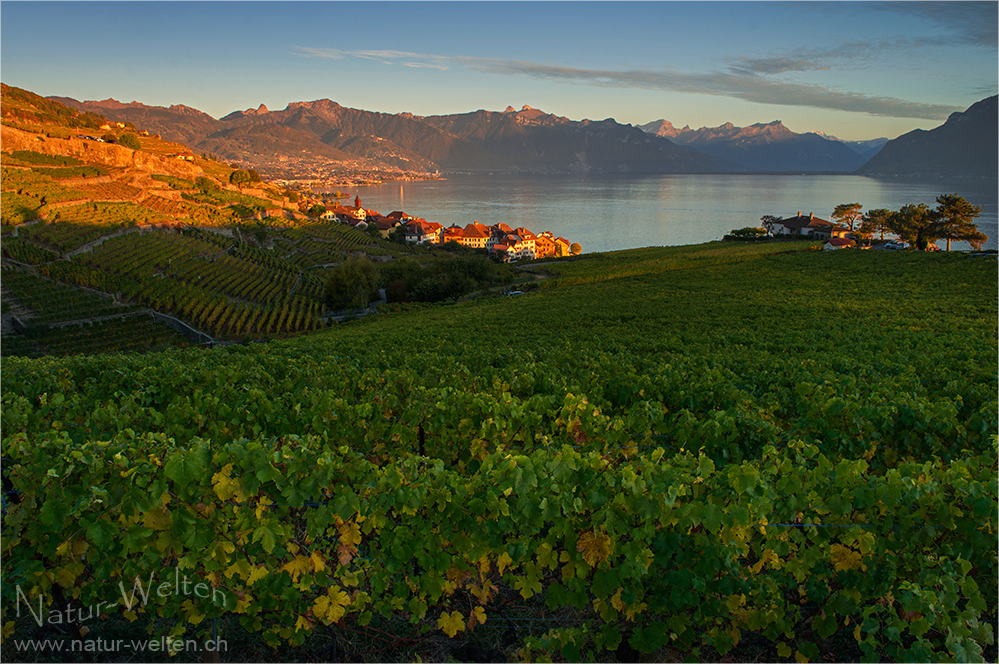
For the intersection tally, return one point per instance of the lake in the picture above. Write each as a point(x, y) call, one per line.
point(609, 212)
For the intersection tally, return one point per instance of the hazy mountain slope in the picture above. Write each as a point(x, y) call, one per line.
point(537, 141)
point(179, 123)
point(965, 145)
point(763, 147)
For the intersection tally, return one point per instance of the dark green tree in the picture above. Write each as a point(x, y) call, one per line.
point(848, 213)
point(916, 224)
point(350, 284)
point(876, 221)
point(955, 217)
point(239, 177)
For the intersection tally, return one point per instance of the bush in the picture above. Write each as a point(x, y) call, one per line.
point(206, 184)
point(130, 141)
point(747, 234)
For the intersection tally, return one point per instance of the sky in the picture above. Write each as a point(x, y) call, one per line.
point(854, 70)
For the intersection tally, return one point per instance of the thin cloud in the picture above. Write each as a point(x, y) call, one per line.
point(743, 81)
point(967, 22)
point(424, 65)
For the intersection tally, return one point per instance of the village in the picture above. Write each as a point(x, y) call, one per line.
point(500, 240)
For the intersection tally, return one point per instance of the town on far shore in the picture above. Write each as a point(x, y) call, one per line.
point(504, 243)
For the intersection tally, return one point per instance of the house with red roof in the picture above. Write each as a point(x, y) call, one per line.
point(422, 231)
point(834, 243)
point(804, 226)
point(475, 235)
point(544, 246)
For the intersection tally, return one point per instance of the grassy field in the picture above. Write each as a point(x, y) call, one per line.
point(736, 452)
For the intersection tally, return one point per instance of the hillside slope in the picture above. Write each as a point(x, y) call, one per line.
point(965, 145)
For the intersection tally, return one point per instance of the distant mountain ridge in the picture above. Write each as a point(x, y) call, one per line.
point(321, 131)
point(764, 147)
point(306, 137)
point(965, 145)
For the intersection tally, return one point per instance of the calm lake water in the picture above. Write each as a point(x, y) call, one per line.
point(608, 212)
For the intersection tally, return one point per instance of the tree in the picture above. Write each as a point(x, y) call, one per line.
point(239, 177)
point(955, 217)
point(848, 213)
point(350, 285)
point(317, 210)
point(916, 224)
point(769, 221)
point(876, 220)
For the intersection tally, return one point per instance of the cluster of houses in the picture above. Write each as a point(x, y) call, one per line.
point(511, 244)
point(810, 226)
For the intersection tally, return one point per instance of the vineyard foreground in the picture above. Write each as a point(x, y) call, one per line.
point(716, 452)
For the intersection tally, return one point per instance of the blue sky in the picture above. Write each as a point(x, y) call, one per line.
point(856, 70)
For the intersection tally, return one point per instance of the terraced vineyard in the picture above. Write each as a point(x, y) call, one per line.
point(666, 454)
point(127, 335)
point(72, 227)
point(221, 288)
point(47, 310)
point(53, 302)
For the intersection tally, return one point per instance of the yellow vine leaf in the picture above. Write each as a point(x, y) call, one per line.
point(783, 650)
point(477, 617)
point(768, 556)
point(332, 606)
point(596, 547)
point(303, 623)
point(800, 657)
point(8, 629)
point(616, 600)
point(297, 566)
point(262, 506)
point(223, 484)
point(845, 558)
point(318, 563)
point(194, 616)
point(240, 567)
point(483, 593)
point(451, 623)
point(503, 561)
point(632, 611)
point(256, 574)
point(350, 533)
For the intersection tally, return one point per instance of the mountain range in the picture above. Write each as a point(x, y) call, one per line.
point(770, 147)
point(318, 138)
